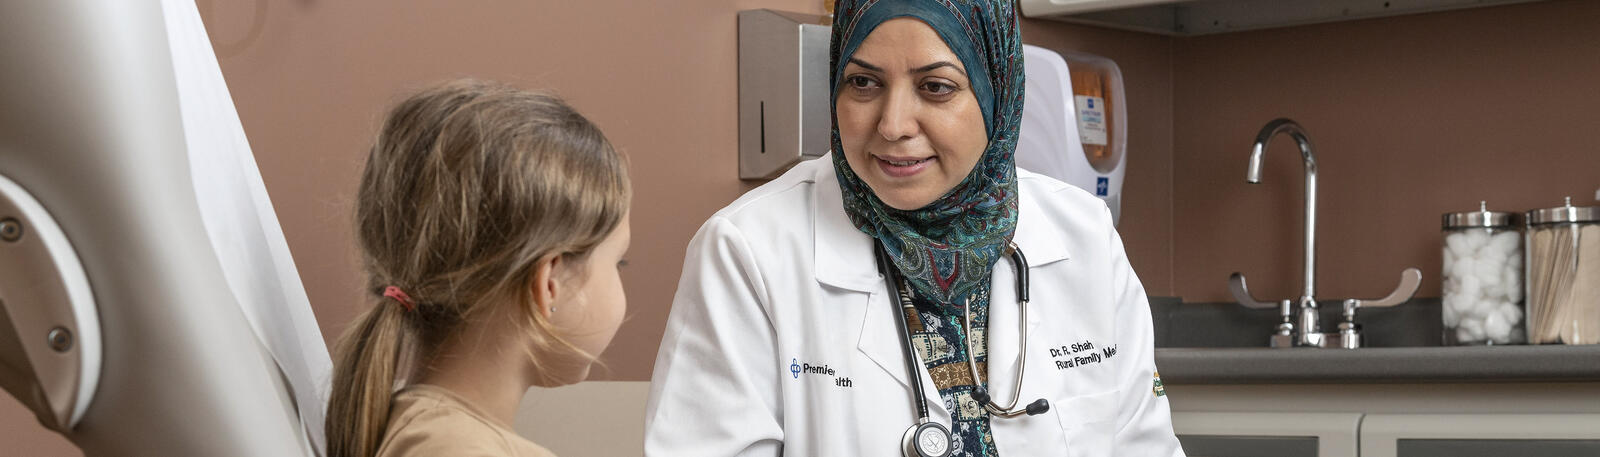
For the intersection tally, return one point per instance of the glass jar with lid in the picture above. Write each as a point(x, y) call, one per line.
point(1482, 278)
point(1564, 275)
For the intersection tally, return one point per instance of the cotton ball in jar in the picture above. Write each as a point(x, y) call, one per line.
point(1463, 304)
point(1453, 301)
point(1511, 275)
point(1493, 289)
point(1464, 266)
point(1514, 293)
point(1490, 305)
point(1452, 317)
point(1470, 330)
point(1505, 242)
point(1449, 262)
point(1456, 243)
point(1471, 287)
point(1510, 312)
point(1462, 335)
point(1487, 270)
point(1477, 240)
point(1496, 328)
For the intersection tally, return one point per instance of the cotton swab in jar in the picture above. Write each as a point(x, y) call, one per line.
point(1583, 305)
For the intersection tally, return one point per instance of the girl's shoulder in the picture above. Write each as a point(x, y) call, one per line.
point(430, 421)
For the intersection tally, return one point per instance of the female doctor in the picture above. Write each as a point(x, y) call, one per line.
point(913, 293)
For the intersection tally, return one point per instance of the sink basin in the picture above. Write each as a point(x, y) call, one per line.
point(1416, 323)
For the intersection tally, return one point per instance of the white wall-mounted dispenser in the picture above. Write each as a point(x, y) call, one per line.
point(783, 91)
point(1074, 124)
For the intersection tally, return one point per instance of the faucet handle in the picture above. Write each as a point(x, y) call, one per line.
point(1241, 293)
point(1410, 280)
point(1284, 337)
point(1350, 331)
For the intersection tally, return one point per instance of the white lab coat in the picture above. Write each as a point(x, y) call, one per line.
point(780, 277)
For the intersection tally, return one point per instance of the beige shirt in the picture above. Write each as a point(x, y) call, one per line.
point(429, 421)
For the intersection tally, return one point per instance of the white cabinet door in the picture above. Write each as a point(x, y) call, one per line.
point(1474, 435)
point(1207, 434)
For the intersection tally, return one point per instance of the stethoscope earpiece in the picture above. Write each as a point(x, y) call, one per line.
point(980, 394)
point(1038, 407)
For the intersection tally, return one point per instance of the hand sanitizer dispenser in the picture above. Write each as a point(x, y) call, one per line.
point(1074, 124)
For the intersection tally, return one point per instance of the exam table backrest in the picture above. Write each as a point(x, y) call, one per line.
point(167, 318)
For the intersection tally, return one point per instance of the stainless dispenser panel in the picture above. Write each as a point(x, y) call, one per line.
point(784, 112)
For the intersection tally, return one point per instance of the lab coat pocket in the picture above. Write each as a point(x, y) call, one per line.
point(1089, 423)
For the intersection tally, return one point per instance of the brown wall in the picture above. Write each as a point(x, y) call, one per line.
point(658, 77)
point(1412, 117)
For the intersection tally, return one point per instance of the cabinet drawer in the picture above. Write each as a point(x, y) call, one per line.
point(1267, 434)
point(1474, 435)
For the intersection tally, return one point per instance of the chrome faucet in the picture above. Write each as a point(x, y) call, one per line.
point(1309, 332)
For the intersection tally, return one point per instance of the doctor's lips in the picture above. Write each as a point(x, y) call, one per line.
point(902, 166)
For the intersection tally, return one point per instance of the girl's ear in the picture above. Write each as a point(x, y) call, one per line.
point(547, 287)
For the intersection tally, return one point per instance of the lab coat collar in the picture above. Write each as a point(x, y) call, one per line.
point(844, 254)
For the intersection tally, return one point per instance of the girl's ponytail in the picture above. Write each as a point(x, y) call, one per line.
point(364, 377)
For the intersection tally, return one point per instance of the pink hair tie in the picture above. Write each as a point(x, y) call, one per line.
point(400, 296)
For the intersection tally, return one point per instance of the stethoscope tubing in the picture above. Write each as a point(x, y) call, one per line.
point(903, 292)
point(905, 331)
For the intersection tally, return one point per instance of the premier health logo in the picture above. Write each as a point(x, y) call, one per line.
point(794, 367)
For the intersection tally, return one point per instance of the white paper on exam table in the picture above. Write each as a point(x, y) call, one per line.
point(240, 221)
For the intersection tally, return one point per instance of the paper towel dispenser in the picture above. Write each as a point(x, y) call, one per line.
point(784, 114)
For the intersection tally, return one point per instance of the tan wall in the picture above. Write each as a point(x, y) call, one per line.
point(658, 77)
point(1412, 117)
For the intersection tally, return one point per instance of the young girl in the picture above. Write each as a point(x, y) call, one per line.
point(492, 222)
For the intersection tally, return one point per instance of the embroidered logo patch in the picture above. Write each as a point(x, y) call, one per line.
point(1156, 388)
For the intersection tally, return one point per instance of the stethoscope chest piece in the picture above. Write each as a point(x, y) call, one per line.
point(926, 439)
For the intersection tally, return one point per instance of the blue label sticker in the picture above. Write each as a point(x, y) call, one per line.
point(1102, 186)
point(1091, 103)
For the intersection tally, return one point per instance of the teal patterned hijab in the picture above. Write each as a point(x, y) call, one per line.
point(947, 249)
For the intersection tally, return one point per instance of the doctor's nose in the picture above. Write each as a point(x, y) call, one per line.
point(898, 119)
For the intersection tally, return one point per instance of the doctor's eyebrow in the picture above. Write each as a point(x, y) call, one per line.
point(865, 65)
point(937, 65)
point(921, 69)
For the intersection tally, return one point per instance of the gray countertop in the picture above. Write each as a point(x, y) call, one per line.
point(1379, 365)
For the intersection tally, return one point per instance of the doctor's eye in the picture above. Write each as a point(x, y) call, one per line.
point(861, 83)
point(622, 263)
point(938, 89)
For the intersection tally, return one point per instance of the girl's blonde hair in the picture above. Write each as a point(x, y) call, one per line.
point(468, 186)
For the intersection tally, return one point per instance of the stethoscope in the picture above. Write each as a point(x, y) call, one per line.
point(927, 438)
